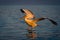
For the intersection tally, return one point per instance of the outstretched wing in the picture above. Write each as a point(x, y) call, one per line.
point(39, 19)
point(28, 13)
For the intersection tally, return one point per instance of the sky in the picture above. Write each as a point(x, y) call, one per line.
point(29, 2)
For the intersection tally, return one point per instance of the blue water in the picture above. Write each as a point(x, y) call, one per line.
point(11, 28)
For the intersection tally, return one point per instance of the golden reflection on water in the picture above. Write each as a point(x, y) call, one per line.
point(31, 34)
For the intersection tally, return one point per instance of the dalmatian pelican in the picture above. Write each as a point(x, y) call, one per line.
point(31, 20)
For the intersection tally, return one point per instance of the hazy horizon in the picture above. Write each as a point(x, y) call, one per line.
point(29, 2)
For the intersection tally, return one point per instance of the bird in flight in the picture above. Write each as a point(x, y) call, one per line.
point(31, 20)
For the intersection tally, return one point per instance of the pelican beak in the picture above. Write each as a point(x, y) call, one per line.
point(22, 18)
point(22, 10)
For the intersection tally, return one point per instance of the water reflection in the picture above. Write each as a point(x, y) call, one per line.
point(31, 34)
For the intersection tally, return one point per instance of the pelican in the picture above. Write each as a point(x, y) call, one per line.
point(31, 20)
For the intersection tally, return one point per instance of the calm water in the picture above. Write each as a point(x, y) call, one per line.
point(11, 28)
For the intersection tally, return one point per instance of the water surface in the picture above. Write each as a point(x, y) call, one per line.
point(11, 28)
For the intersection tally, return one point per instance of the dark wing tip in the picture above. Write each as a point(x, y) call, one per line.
point(22, 10)
point(55, 23)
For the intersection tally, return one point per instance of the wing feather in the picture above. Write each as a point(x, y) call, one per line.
point(29, 13)
point(39, 19)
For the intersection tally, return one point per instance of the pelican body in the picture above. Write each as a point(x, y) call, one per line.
point(31, 20)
